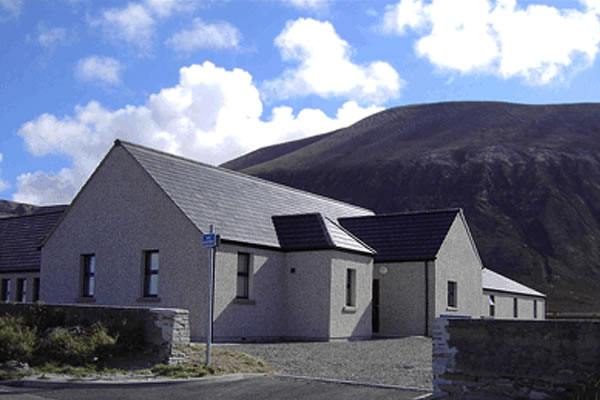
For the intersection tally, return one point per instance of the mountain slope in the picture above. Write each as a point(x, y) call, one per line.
point(527, 176)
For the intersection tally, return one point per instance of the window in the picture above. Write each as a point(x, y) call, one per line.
point(35, 295)
point(515, 308)
point(535, 309)
point(452, 294)
point(151, 265)
point(492, 306)
point(5, 290)
point(243, 276)
point(21, 290)
point(351, 287)
point(89, 275)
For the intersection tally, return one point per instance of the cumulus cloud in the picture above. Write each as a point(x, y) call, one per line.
point(11, 7)
point(325, 67)
point(135, 23)
point(309, 4)
point(99, 70)
point(221, 35)
point(212, 115)
point(3, 184)
point(538, 43)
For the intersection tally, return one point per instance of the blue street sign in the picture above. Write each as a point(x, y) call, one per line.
point(209, 240)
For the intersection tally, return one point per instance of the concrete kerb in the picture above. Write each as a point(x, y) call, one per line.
point(56, 383)
point(354, 383)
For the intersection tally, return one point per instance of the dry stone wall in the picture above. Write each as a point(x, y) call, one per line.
point(500, 359)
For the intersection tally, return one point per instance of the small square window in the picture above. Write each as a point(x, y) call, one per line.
point(243, 276)
point(151, 266)
point(88, 265)
point(452, 294)
point(5, 290)
point(21, 290)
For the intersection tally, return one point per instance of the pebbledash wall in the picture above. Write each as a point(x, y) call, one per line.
point(503, 359)
point(161, 330)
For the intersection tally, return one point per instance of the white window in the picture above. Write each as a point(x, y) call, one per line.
point(350, 287)
point(452, 294)
point(21, 290)
point(88, 274)
point(243, 276)
point(5, 290)
point(151, 265)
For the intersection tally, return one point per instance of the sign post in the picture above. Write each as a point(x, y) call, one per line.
point(210, 240)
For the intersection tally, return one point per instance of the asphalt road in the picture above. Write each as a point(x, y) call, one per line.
point(267, 388)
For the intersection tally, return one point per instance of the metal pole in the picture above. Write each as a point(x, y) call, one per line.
point(210, 300)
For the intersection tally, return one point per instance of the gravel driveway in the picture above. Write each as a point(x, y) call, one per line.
point(403, 362)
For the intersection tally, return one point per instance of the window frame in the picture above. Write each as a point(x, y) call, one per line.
point(5, 286)
point(515, 307)
point(535, 310)
point(21, 290)
point(492, 300)
point(350, 298)
point(150, 273)
point(88, 275)
point(452, 294)
point(243, 276)
point(35, 293)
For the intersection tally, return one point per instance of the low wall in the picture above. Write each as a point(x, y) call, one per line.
point(503, 359)
point(159, 329)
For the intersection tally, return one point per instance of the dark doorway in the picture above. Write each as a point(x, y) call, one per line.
point(375, 309)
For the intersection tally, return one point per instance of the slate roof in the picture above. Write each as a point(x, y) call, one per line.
point(412, 236)
point(238, 205)
point(494, 281)
point(313, 232)
point(21, 236)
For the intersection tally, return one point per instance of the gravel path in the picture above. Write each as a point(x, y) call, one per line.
point(404, 362)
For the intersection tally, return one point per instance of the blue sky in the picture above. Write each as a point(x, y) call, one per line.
point(212, 80)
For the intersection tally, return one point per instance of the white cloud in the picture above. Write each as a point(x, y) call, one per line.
point(49, 37)
point(3, 184)
point(538, 43)
point(326, 69)
point(12, 7)
point(202, 35)
point(310, 4)
point(212, 114)
point(99, 70)
point(132, 24)
point(136, 23)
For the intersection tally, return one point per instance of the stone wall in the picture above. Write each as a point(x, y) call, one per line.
point(159, 329)
point(502, 359)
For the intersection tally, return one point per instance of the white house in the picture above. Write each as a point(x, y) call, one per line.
point(291, 264)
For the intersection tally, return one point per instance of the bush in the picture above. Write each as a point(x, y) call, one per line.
point(76, 345)
point(17, 340)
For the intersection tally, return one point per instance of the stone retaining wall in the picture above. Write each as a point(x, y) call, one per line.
point(159, 329)
point(503, 359)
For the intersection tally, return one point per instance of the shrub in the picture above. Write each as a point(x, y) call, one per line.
point(17, 340)
point(76, 345)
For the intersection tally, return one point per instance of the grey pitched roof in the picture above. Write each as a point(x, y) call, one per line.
point(238, 205)
point(21, 236)
point(312, 232)
point(494, 281)
point(411, 236)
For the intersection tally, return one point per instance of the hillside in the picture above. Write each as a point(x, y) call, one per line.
point(528, 177)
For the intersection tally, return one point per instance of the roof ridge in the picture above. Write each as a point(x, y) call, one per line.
point(32, 215)
point(416, 212)
point(240, 174)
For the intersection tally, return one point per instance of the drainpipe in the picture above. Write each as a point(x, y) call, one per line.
point(426, 297)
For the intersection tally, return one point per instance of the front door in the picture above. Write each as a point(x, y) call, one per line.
point(375, 308)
